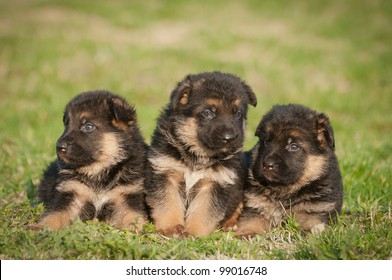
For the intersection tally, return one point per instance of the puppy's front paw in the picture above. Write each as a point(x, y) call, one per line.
point(319, 228)
point(36, 227)
point(230, 227)
point(245, 234)
point(177, 231)
point(250, 227)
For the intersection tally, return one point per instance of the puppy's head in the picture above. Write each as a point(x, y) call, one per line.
point(210, 110)
point(98, 126)
point(294, 145)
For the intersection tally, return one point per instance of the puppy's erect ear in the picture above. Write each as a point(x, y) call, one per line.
point(259, 130)
point(181, 94)
point(124, 114)
point(254, 152)
point(251, 95)
point(325, 133)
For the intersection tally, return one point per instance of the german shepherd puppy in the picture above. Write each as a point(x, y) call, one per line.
point(293, 171)
point(99, 171)
point(196, 172)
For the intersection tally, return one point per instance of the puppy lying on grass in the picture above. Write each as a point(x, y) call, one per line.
point(99, 171)
point(293, 170)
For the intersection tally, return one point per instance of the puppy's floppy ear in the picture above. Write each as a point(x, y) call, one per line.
point(259, 130)
point(325, 133)
point(252, 155)
point(124, 114)
point(181, 94)
point(251, 95)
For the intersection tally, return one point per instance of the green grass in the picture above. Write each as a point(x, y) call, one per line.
point(334, 56)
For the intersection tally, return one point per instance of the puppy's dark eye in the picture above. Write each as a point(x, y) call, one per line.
point(208, 114)
point(88, 127)
point(238, 114)
point(266, 142)
point(293, 147)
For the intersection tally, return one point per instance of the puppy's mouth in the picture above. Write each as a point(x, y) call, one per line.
point(221, 146)
point(270, 176)
point(222, 150)
point(226, 149)
point(62, 155)
point(267, 176)
point(227, 154)
point(66, 158)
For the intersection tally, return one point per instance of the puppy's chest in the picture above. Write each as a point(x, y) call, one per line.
point(85, 194)
point(190, 177)
point(221, 176)
point(275, 203)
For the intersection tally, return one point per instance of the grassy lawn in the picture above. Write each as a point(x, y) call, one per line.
point(334, 56)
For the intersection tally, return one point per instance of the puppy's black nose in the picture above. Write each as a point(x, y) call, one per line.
point(269, 164)
point(227, 137)
point(61, 146)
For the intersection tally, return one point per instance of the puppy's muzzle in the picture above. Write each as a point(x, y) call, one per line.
point(270, 164)
point(227, 137)
point(61, 147)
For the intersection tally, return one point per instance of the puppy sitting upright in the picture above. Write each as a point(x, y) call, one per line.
point(196, 172)
point(99, 171)
point(293, 171)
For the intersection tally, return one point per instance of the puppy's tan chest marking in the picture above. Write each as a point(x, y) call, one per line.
point(221, 175)
point(271, 209)
point(84, 194)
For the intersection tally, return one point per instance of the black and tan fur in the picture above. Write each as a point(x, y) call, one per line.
point(293, 171)
point(196, 170)
point(99, 171)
